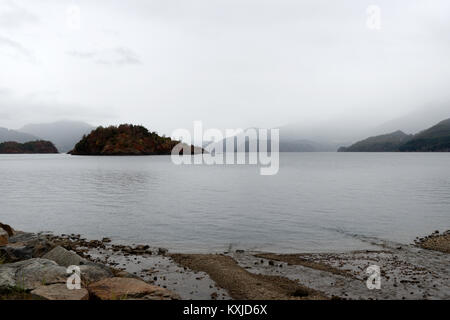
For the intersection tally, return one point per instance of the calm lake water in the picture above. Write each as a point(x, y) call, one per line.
point(317, 201)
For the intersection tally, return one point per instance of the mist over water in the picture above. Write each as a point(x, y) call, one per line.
point(315, 202)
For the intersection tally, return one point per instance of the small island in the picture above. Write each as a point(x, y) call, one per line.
point(39, 146)
point(126, 139)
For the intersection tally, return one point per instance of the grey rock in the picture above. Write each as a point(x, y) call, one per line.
point(14, 252)
point(90, 271)
point(38, 245)
point(23, 237)
point(64, 257)
point(93, 272)
point(30, 274)
point(7, 277)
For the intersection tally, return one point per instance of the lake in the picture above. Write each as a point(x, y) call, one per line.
point(317, 202)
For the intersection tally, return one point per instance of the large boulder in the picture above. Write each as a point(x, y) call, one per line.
point(23, 245)
point(23, 237)
point(4, 237)
point(59, 291)
point(90, 271)
point(14, 252)
point(93, 272)
point(64, 257)
point(128, 289)
point(38, 244)
point(31, 273)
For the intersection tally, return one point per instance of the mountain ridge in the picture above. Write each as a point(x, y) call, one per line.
point(434, 139)
point(7, 135)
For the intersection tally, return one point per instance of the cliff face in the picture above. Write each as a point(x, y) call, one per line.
point(39, 146)
point(125, 139)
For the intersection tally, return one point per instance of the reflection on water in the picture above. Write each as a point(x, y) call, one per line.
point(313, 203)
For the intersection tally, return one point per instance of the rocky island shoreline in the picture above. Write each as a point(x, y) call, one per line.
point(35, 266)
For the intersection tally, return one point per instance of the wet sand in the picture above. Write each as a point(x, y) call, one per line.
point(244, 285)
point(302, 260)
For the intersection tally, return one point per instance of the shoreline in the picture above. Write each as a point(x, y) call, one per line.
point(407, 271)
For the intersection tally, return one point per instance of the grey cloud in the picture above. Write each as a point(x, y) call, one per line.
point(14, 16)
point(5, 116)
point(126, 56)
point(119, 56)
point(232, 63)
point(15, 49)
point(81, 54)
point(111, 32)
point(28, 109)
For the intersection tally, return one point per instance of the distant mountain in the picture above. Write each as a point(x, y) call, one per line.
point(436, 138)
point(341, 130)
point(39, 146)
point(64, 134)
point(286, 144)
point(126, 139)
point(13, 135)
point(301, 145)
point(384, 143)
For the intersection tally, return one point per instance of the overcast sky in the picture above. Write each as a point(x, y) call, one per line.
point(229, 63)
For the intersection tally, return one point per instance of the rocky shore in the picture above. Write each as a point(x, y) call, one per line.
point(436, 241)
point(34, 266)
